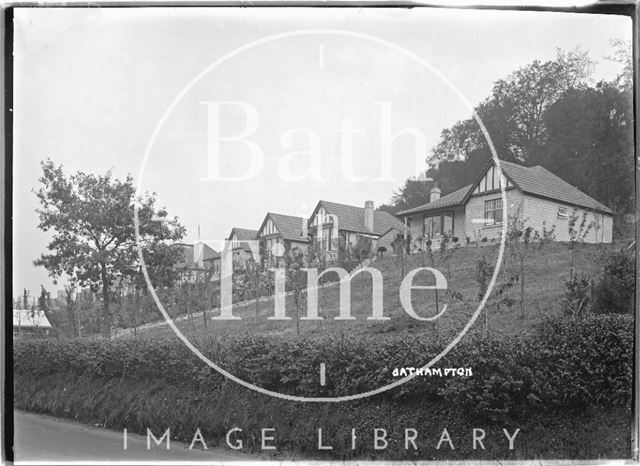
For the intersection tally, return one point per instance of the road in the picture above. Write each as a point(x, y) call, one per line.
point(47, 439)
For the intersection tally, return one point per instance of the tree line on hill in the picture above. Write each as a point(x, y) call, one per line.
point(551, 114)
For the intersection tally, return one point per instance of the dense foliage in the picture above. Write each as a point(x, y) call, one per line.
point(550, 114)
point(94, 237)
point(615, 293)
point(566, 363)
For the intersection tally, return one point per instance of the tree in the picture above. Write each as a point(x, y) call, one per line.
point(513, 112)
point(530, 90)
point(44, 300)
point(577, 233)
point(413, 193)
point(623, 54)
point(399, 246)
point(519, 239)
point(484, 272)
point(590, 143)
point(296, 278)
point(252, 284)
point(91, 218)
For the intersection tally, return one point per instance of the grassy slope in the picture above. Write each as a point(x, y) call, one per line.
point(546, 272)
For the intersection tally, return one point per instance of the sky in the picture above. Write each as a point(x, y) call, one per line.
point(230, 113)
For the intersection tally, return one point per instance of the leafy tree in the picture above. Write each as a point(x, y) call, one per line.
point(413, 193)
point(91, 218)
point(615, 293)
point(513, 112)
point(623, 54)
point(590, 143)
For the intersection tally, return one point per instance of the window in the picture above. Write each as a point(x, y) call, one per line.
point(493, 212)
point(438, 224)
point(447, 223)
point(562, 212)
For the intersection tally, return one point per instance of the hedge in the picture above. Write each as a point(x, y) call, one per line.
point(565, 363)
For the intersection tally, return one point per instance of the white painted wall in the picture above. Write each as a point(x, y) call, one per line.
point(538, 213)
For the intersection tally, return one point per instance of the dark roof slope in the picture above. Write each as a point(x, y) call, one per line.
point(450, 200)
point(244, 234)
point(541, 182)
point(537, 181)
point(188, 253)
point(209, 253)
point(351, 218)
point(289, 226)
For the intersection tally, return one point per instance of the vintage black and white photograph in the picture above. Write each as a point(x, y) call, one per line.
point(334, 234)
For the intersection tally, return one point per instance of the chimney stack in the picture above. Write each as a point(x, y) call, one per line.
point(434, 194)
point(198, 254)
point(368, 215)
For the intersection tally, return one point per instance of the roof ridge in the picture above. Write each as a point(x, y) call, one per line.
point(352, 206)
point(283, 215)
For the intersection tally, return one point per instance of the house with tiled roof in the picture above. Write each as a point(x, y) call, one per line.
point(280, 235)
point(332, 222)
point(240, 246)
point(198, 261)
point(541, 198)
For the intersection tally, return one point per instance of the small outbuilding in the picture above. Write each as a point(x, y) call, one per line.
point(30, 324)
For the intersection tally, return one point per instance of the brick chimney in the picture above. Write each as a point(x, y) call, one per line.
point(368, 215)
point(434, 193)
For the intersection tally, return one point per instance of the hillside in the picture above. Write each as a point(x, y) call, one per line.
point(546, 271)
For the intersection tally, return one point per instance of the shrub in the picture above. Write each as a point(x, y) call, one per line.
point(572, 363)
point(586, 361)
point(616, 291)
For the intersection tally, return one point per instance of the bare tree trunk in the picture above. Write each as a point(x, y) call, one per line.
point(207, 305)
point(257, 309)
point(522, 288)
point(486, 320)
point(572, 261)
point(106, 312)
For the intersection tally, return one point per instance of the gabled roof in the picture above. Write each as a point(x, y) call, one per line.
point(244, 234)
point(31, 319)
point(351, 218)
point(453, 199)
point(188, 253)
point(289, 227)
point(538, 181)
point(209, 253)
